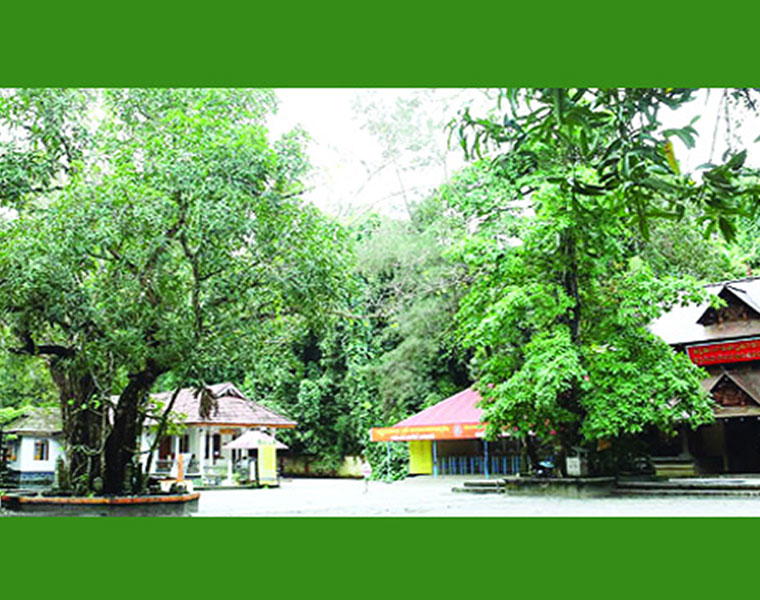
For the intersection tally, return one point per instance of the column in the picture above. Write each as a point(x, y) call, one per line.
point(229, 480)
point(485, 457)
point(435, 458)
point(202, 451)
point(175, 463)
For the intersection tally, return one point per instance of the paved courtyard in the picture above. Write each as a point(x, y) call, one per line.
point(427, 496)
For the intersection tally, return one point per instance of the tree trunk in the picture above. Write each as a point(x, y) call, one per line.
point(571, 399)
point(82, 427)
point(122, 444)
point(530, 450)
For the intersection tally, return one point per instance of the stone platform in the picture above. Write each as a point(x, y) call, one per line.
point(120, 506)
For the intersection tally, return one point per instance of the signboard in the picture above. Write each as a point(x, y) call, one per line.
point(726, 352)
point(464, 431)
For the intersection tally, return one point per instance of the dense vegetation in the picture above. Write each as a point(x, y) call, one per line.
point(154, 239)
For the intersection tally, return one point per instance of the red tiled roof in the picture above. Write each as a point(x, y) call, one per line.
point(233, 408)
point(459, 409)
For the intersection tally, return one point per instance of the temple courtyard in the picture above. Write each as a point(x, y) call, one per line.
point(433, 497)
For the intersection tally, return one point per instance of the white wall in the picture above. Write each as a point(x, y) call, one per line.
point(25, 455)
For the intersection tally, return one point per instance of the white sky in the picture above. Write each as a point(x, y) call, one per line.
point(341, 152)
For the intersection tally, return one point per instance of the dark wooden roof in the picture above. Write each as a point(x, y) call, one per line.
point(748, 381)
point(681, 325)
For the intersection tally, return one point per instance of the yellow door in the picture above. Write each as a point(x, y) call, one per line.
point(420, 457)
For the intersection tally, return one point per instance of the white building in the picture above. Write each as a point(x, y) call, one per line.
point(34, 445)
point(202, 443)
point(38, 438)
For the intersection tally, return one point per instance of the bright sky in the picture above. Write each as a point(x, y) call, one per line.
point(343, 154)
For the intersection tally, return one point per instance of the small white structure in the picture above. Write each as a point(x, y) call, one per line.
point(258, 441)
point(33, 444)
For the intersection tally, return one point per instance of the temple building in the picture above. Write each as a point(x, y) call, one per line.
point(725, 341)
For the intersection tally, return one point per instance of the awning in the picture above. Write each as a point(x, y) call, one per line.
point(456, 418)
point(252, 439)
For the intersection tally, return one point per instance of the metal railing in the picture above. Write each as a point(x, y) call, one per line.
point(475, 465)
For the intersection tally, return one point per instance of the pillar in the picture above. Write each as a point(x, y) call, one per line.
point(435, 458)
point(485, 457)
point(202, 451)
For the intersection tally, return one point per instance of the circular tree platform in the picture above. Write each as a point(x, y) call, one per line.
point(119, 506)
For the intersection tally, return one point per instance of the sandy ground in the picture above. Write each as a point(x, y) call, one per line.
point(428, 496)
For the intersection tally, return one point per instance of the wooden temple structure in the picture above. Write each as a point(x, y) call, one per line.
point(725, 341)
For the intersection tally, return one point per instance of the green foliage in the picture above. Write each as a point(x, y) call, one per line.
point(561, 289)
point(164, 256)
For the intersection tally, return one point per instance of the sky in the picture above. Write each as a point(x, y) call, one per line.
point(346, 157)
point(344, 154)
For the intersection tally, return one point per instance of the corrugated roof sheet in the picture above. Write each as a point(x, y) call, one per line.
point(458, 409)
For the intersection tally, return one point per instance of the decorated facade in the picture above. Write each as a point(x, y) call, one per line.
point(725, 341)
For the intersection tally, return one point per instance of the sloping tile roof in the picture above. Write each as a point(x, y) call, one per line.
point(233, 408)
point(40, 419)
point(748, 380)
point(458, 409)
point(680, 324)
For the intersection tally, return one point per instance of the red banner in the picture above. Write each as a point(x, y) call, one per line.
point(726, 352)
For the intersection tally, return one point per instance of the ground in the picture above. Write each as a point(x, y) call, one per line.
point(428, 496)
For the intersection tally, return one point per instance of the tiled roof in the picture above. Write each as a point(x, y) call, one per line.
point(745, 378)
point(40, 419)
point(233, 408)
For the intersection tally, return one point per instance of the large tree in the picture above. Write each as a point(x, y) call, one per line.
point(182, 234)
point(557, 317)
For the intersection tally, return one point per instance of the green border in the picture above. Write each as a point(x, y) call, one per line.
point(430, 557)
point(385, 45)
point(390, 44)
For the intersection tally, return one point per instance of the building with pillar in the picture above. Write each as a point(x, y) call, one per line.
point(725, 341)
point(35, 442)
point(448, 439)
point(202, 443)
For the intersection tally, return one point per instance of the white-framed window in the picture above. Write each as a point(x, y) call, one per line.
point(41, 449)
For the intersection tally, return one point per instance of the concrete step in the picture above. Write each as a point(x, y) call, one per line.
point(478, 490)
point(693, 486)
point(483, 483)
point(621, 492)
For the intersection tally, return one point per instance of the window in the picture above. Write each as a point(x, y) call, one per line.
point(165, 449)
point(41, 450)
point(184, 443)
point(10, 451)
